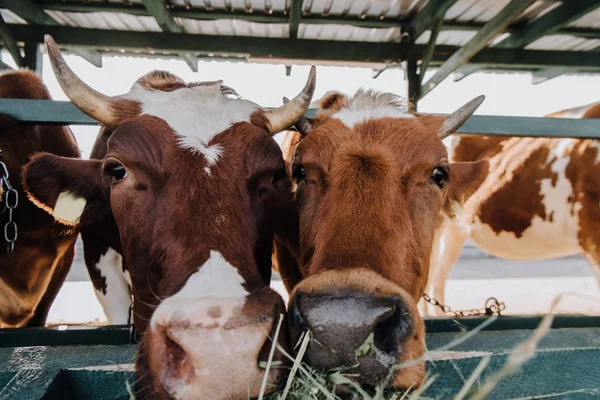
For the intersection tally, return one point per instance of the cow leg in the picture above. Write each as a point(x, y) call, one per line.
point(450, 247)
point(60, 273)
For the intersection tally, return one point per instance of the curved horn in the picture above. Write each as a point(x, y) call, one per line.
point(303, 125)
point(460, 116)
point(95, 104)
point(285, 116)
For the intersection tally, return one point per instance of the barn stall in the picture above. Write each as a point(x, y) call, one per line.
point(450, 37)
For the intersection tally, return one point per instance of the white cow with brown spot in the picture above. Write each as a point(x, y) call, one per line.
point(540, 200)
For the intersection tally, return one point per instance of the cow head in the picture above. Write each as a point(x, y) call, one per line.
point(195, 183)
point(371, 184)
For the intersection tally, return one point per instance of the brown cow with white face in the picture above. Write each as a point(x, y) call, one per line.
point(371, 182)
point(540, 200)
point(197, 187)
point(32, 275)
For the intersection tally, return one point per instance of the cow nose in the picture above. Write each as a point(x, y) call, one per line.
point(215, 347)
point(352, 330)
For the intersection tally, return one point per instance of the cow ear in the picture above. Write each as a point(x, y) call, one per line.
point(61, 185)
point(465, 179)
point(331, 103)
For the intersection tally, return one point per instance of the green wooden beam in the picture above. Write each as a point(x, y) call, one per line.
point(282, 48)
point(428, 54)
point(295, 15)
point(544, 75)
point(4, 66)
point(33, 57)
point(464, 71)
point(10, 43)
point(427, 17)
point(492, 29)
point(550, 22)
point(164, 18)
point(34, 14)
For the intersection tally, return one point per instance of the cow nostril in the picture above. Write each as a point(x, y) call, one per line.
point(178, 357)
point(390, 332)
point(297, 322)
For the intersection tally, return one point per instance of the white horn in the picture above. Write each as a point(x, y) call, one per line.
point(95, 104)
point(285, 116)
point(460, 116)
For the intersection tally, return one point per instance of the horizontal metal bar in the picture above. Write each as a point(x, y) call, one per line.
point(63, 112)
point(120, 334)
point(71, 335)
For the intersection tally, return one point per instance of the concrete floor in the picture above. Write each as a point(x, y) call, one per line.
point(526, 287)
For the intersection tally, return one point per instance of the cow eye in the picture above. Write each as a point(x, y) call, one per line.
point(298, 173)
point(116, 171)
point(439, 176)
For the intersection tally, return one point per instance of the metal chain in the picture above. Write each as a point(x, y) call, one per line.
point(492, 307)
point(9, 204)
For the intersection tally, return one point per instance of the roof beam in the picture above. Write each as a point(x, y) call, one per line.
point(34, 14)
point(295, 15)
point(158, 9)
point(464, 71)
point(303, 49)
point(10, 43)
point(428, 54)
point(550, 22)
point(427, 17)
point(544, 75)
point(494, 27)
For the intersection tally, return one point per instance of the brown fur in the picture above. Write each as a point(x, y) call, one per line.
point(31, 277)
point(368, 209)
point(170, 214)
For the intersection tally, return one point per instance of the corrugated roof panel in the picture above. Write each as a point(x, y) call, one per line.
point(484, 10)
point(226, 27)
point(11, 18)
point(375, 8)
point(449, 38)
point(590, 21)
point(564, 42)
point(106, 20)
point(233, 5)
point(348, 33)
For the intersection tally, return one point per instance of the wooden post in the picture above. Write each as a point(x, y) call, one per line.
point(33, 57)
point(414, 83)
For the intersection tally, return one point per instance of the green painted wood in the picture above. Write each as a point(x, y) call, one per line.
point(494, 27)
point(9, 42)
point(316, 50)
point(550, 22)
point(544, 75)
point(295, 15)
point(464, 71)
point(62, 112)
point(4, 66)
point(430, 48)
point(33, 57)
point(566, 364)
point(428, 15)
point(34, 14)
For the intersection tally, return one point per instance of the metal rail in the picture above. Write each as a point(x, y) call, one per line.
point(63, 112)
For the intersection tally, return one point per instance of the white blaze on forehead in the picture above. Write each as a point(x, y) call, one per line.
point(196, 114)
point(215, 279)
point(367, 105)
point(68, 208)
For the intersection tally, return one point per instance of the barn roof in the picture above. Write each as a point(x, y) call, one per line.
point(546, 37)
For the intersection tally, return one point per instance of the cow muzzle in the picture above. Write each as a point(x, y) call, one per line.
point(362, 323)
point(216, 348)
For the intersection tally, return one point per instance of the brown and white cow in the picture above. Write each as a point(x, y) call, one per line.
point(371, 182)
point(32, 275)
point(197, 187)
point(541, 200)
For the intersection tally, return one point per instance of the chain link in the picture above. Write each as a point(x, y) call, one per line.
point(10, 201)
point(492, 307)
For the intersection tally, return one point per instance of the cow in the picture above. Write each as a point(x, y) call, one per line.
point(197, 188)
point(372, 182)
point(540, 200)
point(32, 273)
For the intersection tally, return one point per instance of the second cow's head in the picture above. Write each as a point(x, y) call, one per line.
point(372, 184)
point(196, 185)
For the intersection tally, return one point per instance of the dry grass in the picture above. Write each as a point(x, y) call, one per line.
point(304, 382)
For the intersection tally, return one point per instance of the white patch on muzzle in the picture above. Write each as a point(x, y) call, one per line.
point(68, 208)
point(215, 279)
